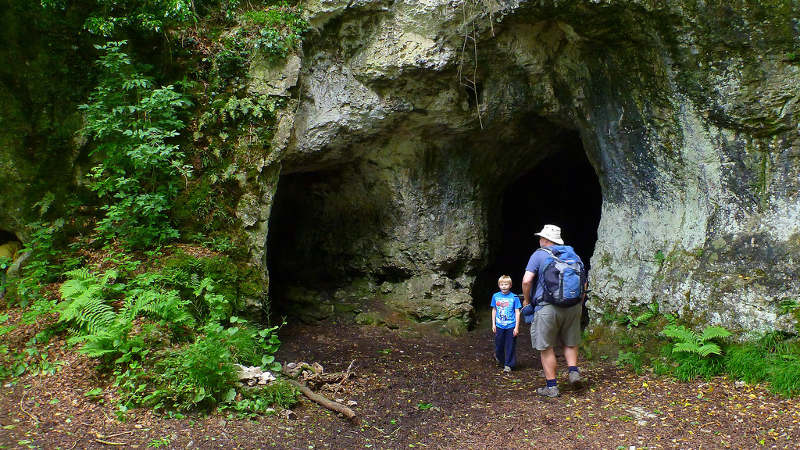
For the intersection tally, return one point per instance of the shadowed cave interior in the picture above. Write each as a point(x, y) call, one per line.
point(7, 236)
point(316, 223)
point(563, 190)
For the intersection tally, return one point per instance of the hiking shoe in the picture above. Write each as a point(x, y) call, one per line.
point(506, 369)
point(575, 379)
point(551, 391)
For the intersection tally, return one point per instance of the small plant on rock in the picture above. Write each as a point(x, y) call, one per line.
point(696, 354)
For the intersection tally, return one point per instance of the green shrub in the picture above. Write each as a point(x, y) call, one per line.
point(280, 29)
point(42, 265)
point(692, 365)
point(746, 362)
point(632, 359)
point(132, 124)
point(785, 377)
point(257, 400)
point(696, 355)
point(200, 374)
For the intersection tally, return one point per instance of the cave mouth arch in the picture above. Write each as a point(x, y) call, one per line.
point(562, 189)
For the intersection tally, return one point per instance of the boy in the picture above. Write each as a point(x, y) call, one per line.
point(505, 323)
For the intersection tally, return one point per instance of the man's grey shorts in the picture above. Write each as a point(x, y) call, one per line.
point(554, 324)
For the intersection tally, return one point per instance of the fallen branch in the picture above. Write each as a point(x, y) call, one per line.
point(110, 443)
point(330, 404)
point(118, 434)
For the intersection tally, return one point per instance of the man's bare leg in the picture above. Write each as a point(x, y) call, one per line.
point(549, 362)
point(571, 355)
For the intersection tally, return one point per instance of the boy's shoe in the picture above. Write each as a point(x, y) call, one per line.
point(506, 369)
point(551, 391)
point(575, 379)
point(496, 359)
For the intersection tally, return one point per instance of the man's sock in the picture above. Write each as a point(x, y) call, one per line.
point(573, 368)
point(551, 383)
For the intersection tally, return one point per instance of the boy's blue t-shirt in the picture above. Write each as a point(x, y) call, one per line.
point(505, 304)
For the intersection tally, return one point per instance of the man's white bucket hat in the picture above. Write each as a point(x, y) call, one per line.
point(551, 233)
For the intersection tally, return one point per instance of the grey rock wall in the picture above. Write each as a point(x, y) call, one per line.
point(691, 127)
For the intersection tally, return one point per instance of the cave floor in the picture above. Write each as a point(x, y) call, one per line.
point(416, 391)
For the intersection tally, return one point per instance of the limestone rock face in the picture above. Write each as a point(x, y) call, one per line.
point(406, 121)
point(415, 116)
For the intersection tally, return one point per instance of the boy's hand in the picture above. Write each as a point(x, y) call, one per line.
point(516, 330)
point(494, 328)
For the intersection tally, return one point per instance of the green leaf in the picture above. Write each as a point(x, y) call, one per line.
point(93, 392)
point(230, 395)
point(714, 333)
point(689, 347)
point(267, 359)
point(709, 349)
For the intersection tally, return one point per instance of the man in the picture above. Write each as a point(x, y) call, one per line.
point(551, 323)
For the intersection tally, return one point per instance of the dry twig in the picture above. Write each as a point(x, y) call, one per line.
point(345, 377)
point(110, 443)
point(22, 408)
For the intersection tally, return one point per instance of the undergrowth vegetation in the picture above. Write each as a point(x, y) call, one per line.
point(140, 271)
point(649, 340)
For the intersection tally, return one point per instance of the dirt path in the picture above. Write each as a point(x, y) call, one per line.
point(414, 391)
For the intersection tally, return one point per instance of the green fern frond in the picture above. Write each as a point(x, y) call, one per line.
point(689, 347)
point(709, 348)
point(681, 333)
point(80, 274)
point(84, 303)
point(166, 306)
point(644, 317)
point(710, 333)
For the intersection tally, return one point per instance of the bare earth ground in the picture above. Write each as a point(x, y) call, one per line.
point(416, 391)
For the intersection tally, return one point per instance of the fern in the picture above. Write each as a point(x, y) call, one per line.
point(696, 354)
point(710, 333)
point(709, 349)
point(680, 332)
point(167, 307)
point(688, 347)
point(84, 304)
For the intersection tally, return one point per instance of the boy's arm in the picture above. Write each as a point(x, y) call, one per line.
point(494, 314)
point(516, 324)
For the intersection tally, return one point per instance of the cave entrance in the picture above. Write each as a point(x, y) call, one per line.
point(563, 189)
point(310, 215)
point(7, 236)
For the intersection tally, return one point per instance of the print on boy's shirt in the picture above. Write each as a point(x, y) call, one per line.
point(505, 304)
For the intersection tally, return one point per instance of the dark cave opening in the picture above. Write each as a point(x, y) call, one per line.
point(302, 228)
point(7, 236)
point(563, 189)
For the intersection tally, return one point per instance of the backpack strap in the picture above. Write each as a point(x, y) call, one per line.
point(550, 252)
point(540, 275)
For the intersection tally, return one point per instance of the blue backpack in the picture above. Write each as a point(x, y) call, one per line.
point(563, 276)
